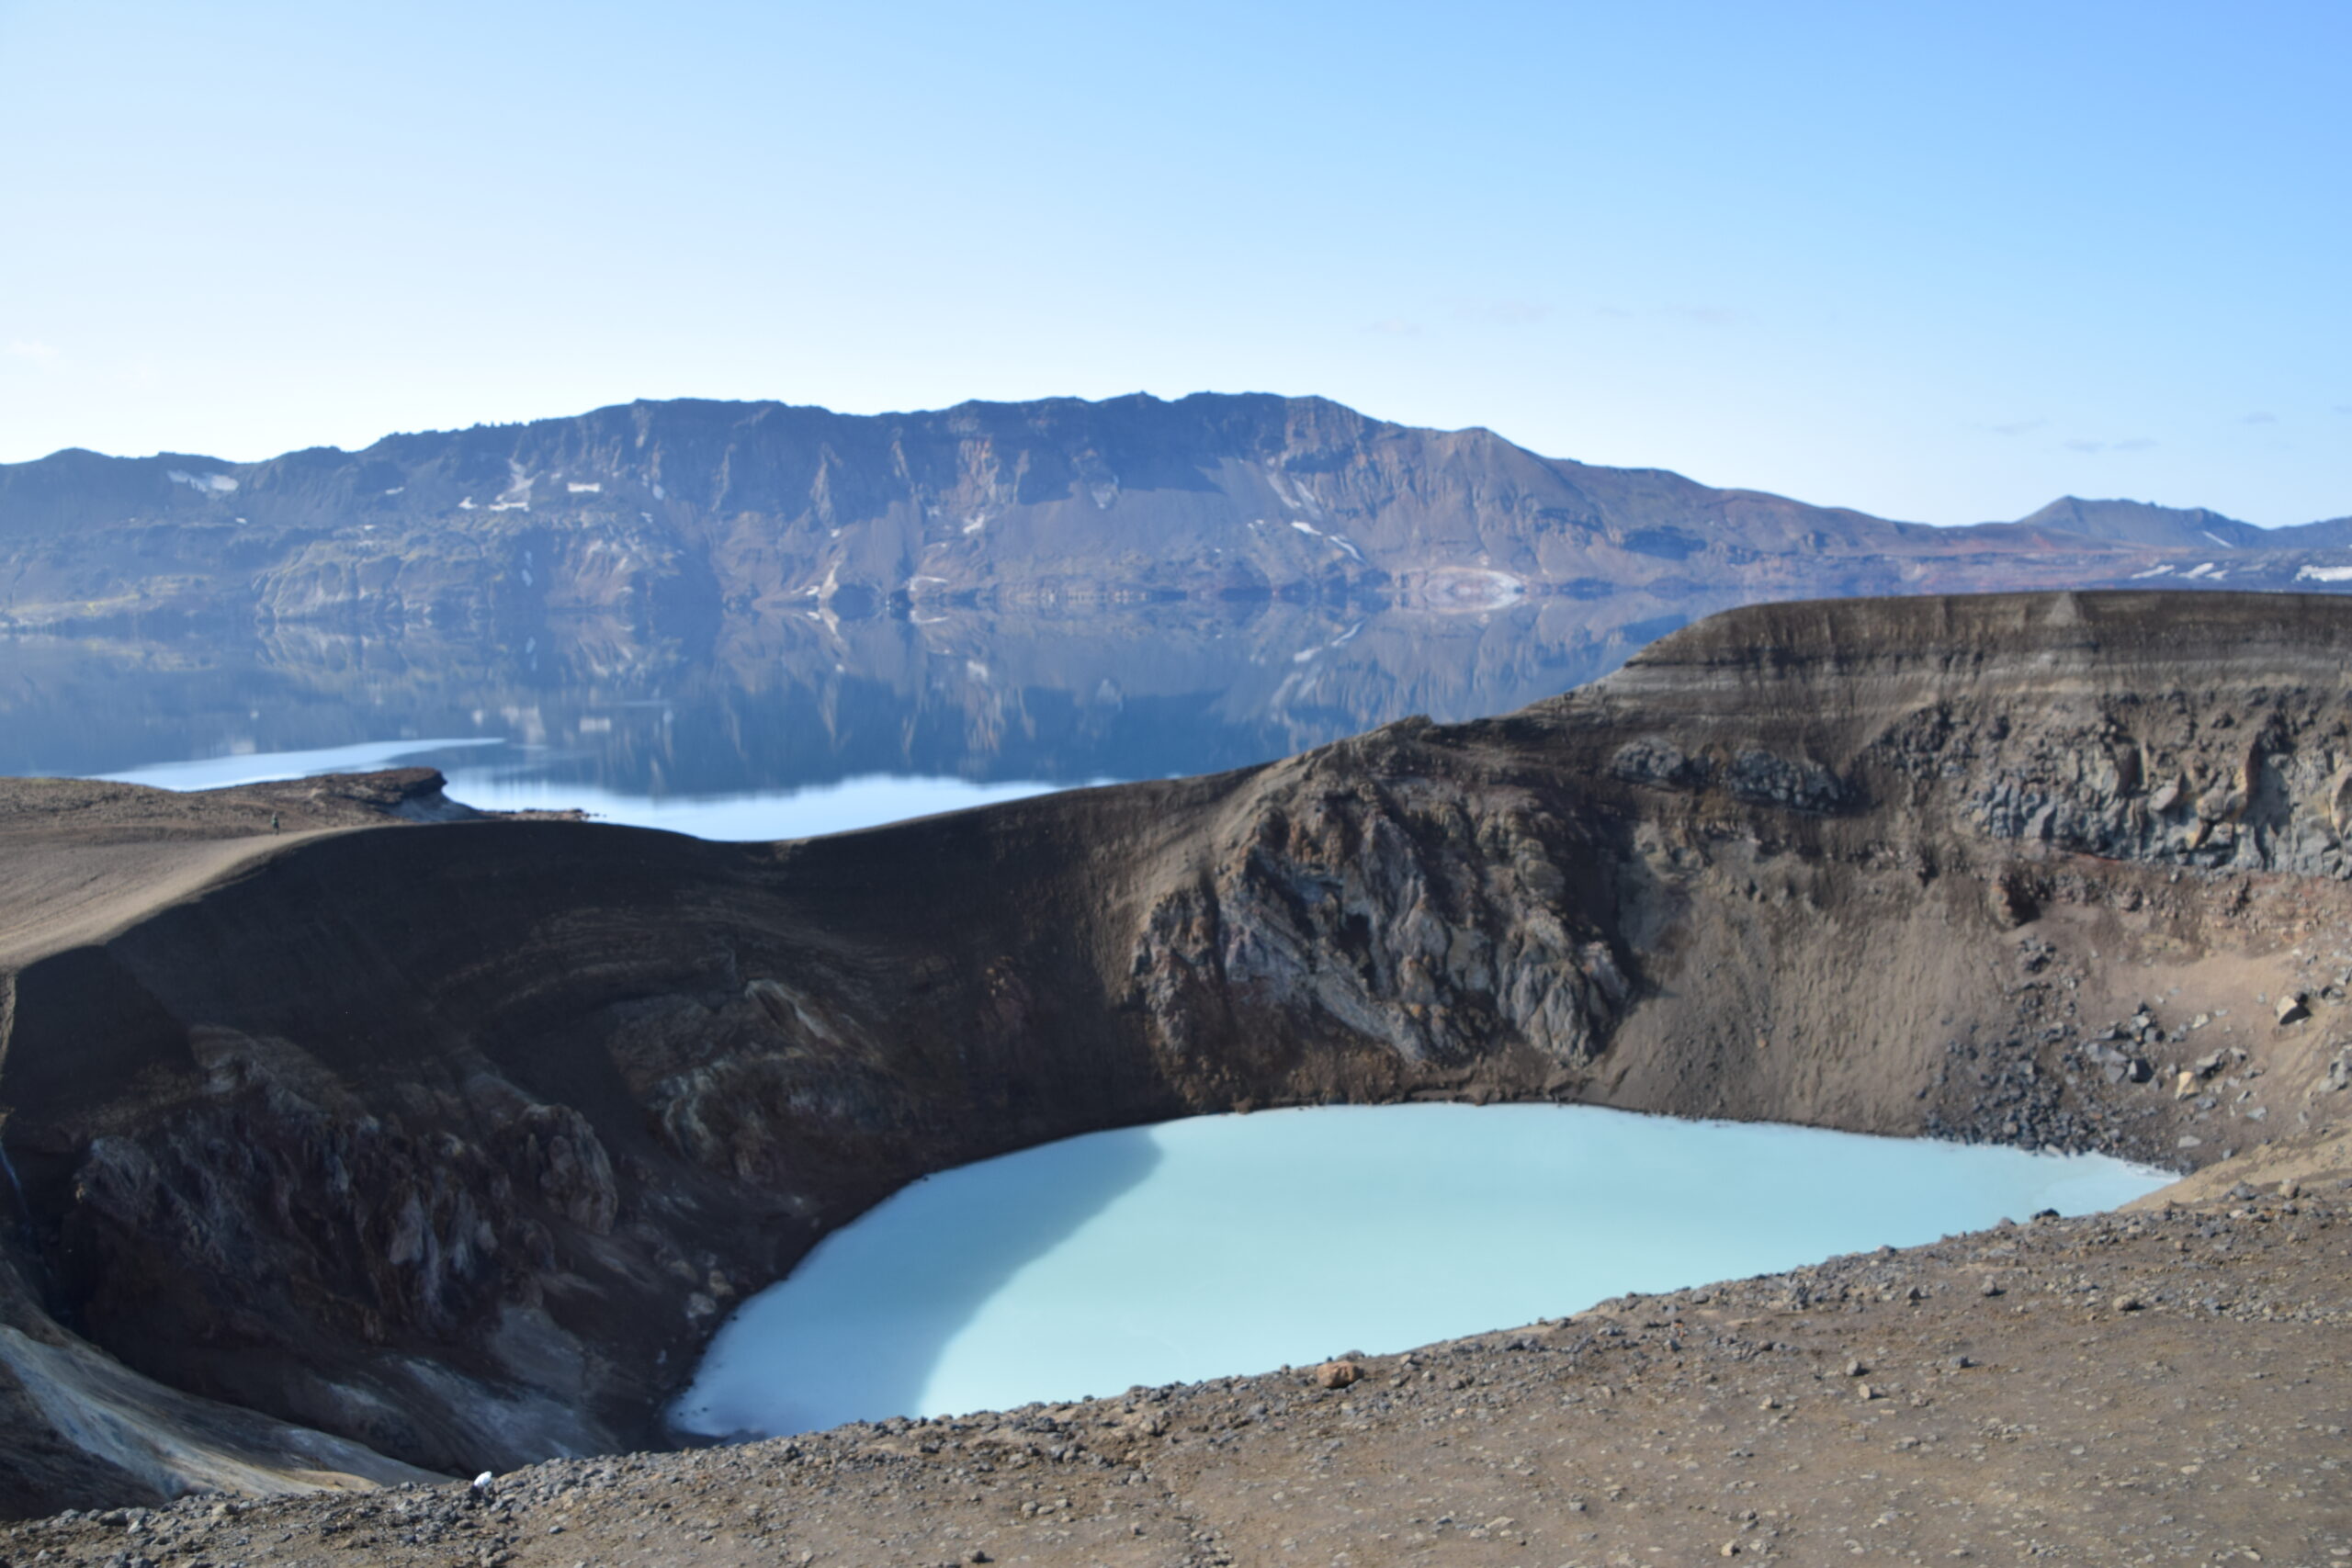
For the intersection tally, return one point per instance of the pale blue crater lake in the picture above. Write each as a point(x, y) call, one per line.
point(1236, 1244)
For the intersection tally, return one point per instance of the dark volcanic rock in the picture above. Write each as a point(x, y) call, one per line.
point(453, 1140)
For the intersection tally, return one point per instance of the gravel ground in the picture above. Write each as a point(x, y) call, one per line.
point(2164, 1385)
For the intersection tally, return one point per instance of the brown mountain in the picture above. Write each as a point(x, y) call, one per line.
point(2143, 523)
point(683, 518)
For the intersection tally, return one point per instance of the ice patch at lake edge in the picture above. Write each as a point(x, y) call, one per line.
point(1232, 1244)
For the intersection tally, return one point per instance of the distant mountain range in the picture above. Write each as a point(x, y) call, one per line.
point(673, 518)
point(2167, 527)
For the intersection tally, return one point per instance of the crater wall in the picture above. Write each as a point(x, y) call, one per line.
point(451, 1143)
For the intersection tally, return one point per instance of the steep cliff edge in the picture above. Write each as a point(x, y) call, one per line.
point(455, 1140)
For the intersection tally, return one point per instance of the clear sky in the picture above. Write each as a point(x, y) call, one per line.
point(1938, 260)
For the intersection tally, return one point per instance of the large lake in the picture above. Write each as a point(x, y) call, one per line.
point(1236, 1244)
point(813, 727)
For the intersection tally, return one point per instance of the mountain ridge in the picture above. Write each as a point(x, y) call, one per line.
point(2093, 517)
point(678, 516)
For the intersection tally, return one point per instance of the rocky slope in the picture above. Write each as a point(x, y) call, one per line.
point(454, 1140)
point(690, 521)
point(2164, 1385)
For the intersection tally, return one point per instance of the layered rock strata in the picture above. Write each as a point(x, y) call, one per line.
point(456, 1140)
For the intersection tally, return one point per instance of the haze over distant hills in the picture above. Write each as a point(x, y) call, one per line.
point(675, 519)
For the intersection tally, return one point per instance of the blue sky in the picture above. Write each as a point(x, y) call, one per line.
point(1941, 262)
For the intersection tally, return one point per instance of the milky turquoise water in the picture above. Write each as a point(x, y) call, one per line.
point(1236, 1244)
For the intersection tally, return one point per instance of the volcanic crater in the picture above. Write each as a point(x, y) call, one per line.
point(357, 1139)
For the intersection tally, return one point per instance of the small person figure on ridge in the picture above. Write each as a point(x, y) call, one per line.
point(273, 822)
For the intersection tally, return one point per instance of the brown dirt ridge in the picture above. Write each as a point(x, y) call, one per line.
point(392, 1141)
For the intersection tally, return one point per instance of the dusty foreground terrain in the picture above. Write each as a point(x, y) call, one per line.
point(352, 1140)
point(2165, 1385)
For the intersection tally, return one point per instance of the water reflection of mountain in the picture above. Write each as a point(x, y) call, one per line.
point(1154, 689)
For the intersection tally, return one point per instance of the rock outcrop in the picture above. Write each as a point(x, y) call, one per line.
point(455, 1140)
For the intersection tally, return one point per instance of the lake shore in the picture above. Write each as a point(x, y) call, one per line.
point(2162, 1383)
point(1170, 1253)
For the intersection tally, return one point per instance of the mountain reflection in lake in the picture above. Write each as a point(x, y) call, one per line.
point(787, 704)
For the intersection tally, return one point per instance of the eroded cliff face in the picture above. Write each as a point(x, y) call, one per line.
point(455, 1141)
point(1359, 905)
